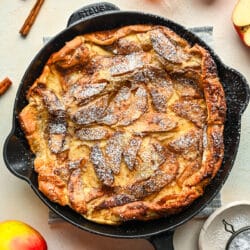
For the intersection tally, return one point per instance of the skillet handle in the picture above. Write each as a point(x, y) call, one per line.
point(163, 241)
point(91, 10)
point(238, 94)
point(17, 158)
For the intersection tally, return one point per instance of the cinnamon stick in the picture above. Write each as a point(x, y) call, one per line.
point(31, 18)
point(4, 85)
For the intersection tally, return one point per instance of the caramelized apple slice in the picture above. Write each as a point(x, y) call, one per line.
point(193, 110)
point(91, 112)
point(113, 152)
point(127, 64)
point(130, 151)
point(126, 107)
point(56, 143)
point(79, 193)
point(81, 93)
point(163, 175)
point(125, 46)
point(159, 85)
point(93, 133)
point(152, 154)
point(75, 187)
point(160, 91)
point(187, 87)
point(57, 124)
point(136, 109)
point(120, 103)
point(51, 101)
point(116, 200)
point(103, 171)
point(188, 144)
point(155, 183)
point(153, 123)
point(164, 47)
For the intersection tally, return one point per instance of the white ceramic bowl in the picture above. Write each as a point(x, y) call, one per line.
point(213, 235)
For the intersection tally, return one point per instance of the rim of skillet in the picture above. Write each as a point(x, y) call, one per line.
point(126, 230)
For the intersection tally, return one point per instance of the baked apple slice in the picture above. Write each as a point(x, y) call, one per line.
point(241, 20)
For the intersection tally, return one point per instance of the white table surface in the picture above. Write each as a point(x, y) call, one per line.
point(18, 201)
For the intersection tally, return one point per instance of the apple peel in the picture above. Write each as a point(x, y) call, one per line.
point(17, 235)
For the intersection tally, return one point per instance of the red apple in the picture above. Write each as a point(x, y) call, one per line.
point(241, 20)
point(17, 235)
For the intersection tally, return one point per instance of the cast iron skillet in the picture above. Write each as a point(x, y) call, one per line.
point(102, 16)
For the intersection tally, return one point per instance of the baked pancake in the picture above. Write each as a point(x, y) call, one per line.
point(126, 124)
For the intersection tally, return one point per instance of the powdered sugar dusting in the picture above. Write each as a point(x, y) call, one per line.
point(122, 95)
point(141, 99)
point(114, 152)
point(131, 151)
point(57, 128)
point(186, 142)
point(91, 112)
point(241, 241)
point(125, 64)
point(95, 133)
point(159, 100)
point(164, 47)
point(136, 109)
point(103, 172)
point(83, 92)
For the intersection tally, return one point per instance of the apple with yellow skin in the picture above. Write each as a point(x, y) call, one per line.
point(241, 20)
point(17, 235)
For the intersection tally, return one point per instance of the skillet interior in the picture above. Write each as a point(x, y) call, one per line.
point(19, 159)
